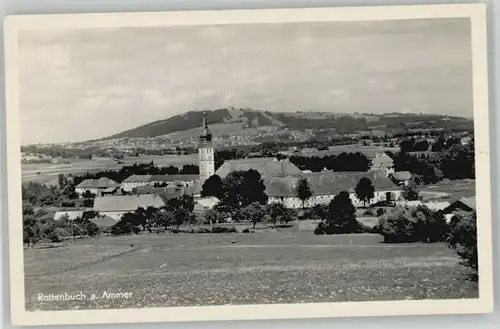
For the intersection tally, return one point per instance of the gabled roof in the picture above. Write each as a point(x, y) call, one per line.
point(127, 202)
point(173, 178)
point(401, 175)
point(382, 159)
point(169, 192)
point(469, 202)
point(326, 183)
point(205, 203)
point(160, 178)
point(137, 179)
point(103, 221)
point(102, 182)
point(267, 167)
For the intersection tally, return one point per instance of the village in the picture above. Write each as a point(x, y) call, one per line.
point(104, 201)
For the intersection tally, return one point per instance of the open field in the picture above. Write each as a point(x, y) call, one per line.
point(44, 172)
point(265, 267)
point(369, 151)
point(455, 189)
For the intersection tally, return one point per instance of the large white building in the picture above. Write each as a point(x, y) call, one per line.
point(206, 156)
point(325, 185)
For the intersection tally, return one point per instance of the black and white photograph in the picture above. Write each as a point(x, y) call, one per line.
point(269, 158)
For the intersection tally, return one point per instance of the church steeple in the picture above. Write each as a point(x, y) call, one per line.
point(206, 135)
point(206, 154)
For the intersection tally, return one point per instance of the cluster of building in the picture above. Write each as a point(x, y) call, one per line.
point(281, 178)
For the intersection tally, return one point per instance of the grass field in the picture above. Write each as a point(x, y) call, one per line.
point(45, 172)
point(455, 189)
point(265, 267)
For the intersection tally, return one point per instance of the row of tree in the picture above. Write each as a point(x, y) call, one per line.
point(455, 162)
point(138, 169)
point(176, 212)
point(39, 226)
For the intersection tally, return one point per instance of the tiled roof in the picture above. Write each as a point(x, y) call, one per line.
point(102, 182)
point(267, 167)
point(401, 175)
point(137, 179)
point(127, 202)
point(382, 159)
point(103, 221)
point(72, 215)
point(160, 178)
point(326, 183)
point(205, 203)
point(469, 202)
point(174, 178)
point(169, 192)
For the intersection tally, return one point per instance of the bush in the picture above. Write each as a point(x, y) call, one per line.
point(410, 191)
point(219, 229)
point(412, 225)
point(462, 237)
point(320, 229)
point(380, 212)
point(342, 216)
point(245, 231)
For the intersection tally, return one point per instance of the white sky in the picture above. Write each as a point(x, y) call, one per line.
point(84, 84)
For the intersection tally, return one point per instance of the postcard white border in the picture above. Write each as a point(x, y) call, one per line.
point(483, 304)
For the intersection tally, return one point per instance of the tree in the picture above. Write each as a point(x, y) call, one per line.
point(214, 216)
point(128, 224)
point(342, 215)
point(458, 162)
point(181, 210)
point(213, 187)
point(69, 192)
point(163, 218)
point(242, 188)
point(416, 224)
point(410, 191)
point(303, 191)
point(31, 230)
point(252, 213)
point(462, 238)
point(319, 211)
point(365, 190)
point(278, 213)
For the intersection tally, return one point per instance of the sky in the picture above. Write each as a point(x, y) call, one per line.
point(83, 84)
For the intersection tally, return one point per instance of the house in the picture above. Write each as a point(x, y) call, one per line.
point(103, 222)
point(117, 205)
point(70, 215)
point(267, 167)
point(134, 181)
point(325, 185)
point(129, 183)
point(174, 180)
point(463, 204)
point(170, 192)
point(401, 177)
point(382, 162)
point(96, 186)
point(205, 203)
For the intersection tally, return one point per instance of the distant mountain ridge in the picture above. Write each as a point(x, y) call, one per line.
point(300, 120)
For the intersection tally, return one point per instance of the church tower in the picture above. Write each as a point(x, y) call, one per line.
point(206, 152)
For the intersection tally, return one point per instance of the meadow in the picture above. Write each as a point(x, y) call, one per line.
point(45, 172)
point(451, 190)
point(274, 266)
